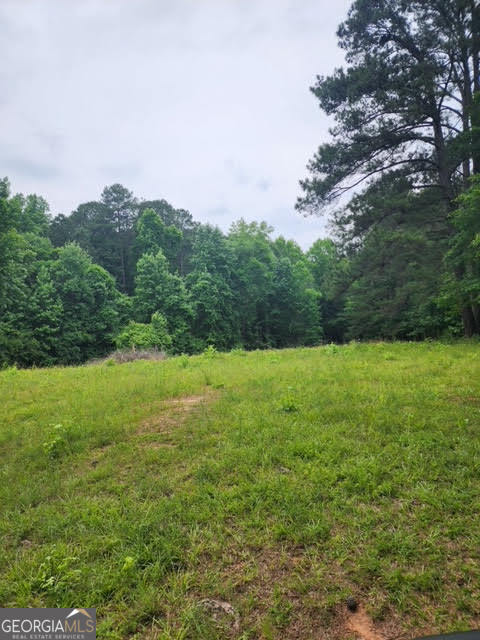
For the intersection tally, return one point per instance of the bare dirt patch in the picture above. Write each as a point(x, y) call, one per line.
point(172, 413)
point(362, 625)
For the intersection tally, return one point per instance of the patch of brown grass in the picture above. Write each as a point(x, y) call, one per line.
point(172, 413)
point(467, 400)
point(254, 579)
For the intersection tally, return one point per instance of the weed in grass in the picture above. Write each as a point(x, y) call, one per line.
point(210, 352)
point(332, 349)
point(58, 442)
point(288, 402)
point(281, 609)
point(183, 361)
point(128, 564)
point(56, 575)
point(9, 371)
point(238, 351)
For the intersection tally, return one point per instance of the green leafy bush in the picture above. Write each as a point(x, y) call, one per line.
point(138, 335)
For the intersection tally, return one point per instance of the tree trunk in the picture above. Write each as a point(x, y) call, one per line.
point(476, 315)
point(124, 273)
point(469, 324)
point(444, 173)
point(475, 117)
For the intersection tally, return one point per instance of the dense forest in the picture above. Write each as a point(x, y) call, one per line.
point(127, 273)
point(402, 260)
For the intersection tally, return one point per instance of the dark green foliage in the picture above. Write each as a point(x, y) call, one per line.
point(462, 284)
point(214, 300)
point(60, 230)
point(331, 274)
point(212, 252)
point(105, 230)
point(252, 280)
point(113, 235)
point(118, 229)
point(407, 125)
point(62, 305)
point(405, 98)
point(395, 240)
point(45, 315)
point(55, 306)
point(181, 220)
point(28, 307)
point(215, 321)
point(404, 261)
point(153, 234)
point(32, 215)
point(91, 306)
point(294, 314)
point(156, 289)
point(394, 288)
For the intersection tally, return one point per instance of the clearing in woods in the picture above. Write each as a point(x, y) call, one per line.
point(248, 495)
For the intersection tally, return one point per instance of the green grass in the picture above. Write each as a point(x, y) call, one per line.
point(304, 477)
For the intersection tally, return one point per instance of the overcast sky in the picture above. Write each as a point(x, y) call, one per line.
point(205, 103)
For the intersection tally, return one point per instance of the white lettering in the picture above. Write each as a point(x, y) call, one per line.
point(6, 626)
point(58, 626)
point(46, 626)
point(26, 626)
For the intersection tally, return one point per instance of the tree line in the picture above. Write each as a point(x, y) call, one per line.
point(128, 273)
point(135, 274)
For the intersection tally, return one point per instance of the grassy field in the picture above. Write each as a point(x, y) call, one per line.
point(247, 495)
